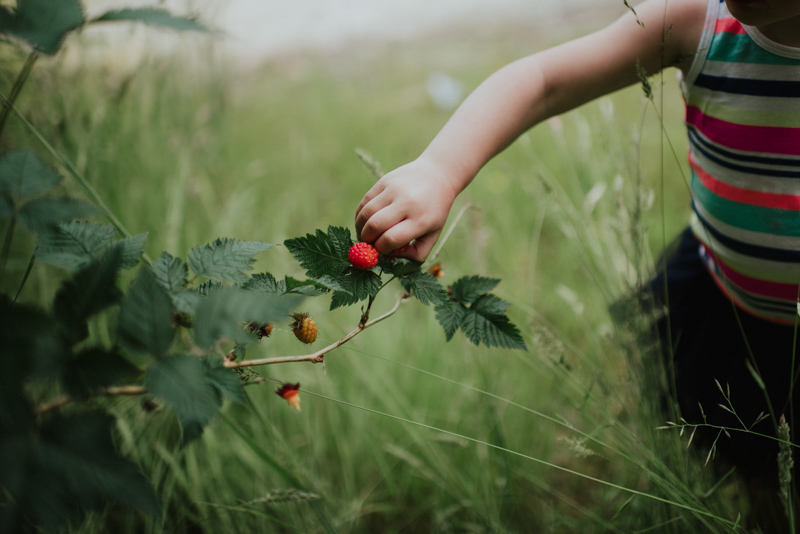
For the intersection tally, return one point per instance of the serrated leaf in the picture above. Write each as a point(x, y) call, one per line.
point(187, 301)
point(265, 282)
point(208, 287)
point(402, 267)
point(169, 272)
point(131, 249)
point(144, 324)
point(96, 368)
point(322, 254)
point(23, 174)
point(358, 285)
point(72, 245)
point(43, 24)
point(484, 323)
point(89, 291)
point(223, 313)
point(70, 464)
point(42, 214)
point(182, 382)
point(467, 289)
point(225, 380)
point(153, 17)
point(450, 315)
point(226, 259)
point(426, 288)
point(313, 288)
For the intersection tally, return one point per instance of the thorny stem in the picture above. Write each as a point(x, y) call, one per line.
point(106, 392)
point(319, 356)
point(316, 357)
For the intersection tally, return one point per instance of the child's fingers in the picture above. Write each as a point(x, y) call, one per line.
point(366, 213)
point(374, 228)
point(399, 235)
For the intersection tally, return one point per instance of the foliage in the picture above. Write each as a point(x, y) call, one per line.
point(179, 327)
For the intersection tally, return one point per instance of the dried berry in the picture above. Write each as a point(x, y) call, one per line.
point(290, 392)
point(304, 327)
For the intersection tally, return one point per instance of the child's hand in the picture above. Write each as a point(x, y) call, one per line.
point(409, 203)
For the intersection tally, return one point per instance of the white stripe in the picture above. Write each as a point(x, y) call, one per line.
point(750, 237)
point(746, 180)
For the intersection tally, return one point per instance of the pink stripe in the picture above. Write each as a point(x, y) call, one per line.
point(765, 139)
point(728, 25)
point(765, 288)
point(745, 196)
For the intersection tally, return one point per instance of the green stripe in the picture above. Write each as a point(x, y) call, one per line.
point(740, 48)
point(746, 216)
point(743, 116)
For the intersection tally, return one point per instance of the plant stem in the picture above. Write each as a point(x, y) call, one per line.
point(17, 87)
point(25, 277)
point(107, 392)
point(319, 356)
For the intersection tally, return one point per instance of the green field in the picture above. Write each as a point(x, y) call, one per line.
point(400, 431)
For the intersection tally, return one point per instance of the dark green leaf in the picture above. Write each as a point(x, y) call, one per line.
point(23, 174)
point(89, 291)
point(358, 285)
point(313, 288)
point(402, 267)
point(225, 312)
point(131, 249)
point(43, 24)
point(44, 213)
point(208, 287)
point(322, 254)
point(6, 207)
point(73, 245)
point(170, 272)
point(187, 301)
point(96, 368)
point(426, 288)
point(467, 289)
point(183, 382)
point(264, 282)
point(225, 380)
point(154, 17)
point(79, 449)
point(486, 322)
point(226, 259)
point(450, 315)
point(144, 318)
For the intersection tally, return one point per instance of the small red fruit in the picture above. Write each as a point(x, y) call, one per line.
point(304, 328)
point(363, 256)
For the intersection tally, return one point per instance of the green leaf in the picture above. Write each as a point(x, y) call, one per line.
point(144, 318)
point(42, 214)
point(170, 272)
point(226, 259)
point(314, 288)
point(183, 382)
point(71, 463)
point(43, 24)
point(467, 289)
point(89, 291)
point(450, 315)
point(73, 245)
point(23, 174)
point(426, 288)
point(401, 267)
point(322, 254)
point(265, 282)
point(225, 380)
point(357, 285)
point(486, 322)
point(131, 249)
point(153, 17)
point(96, 368)
point(223, 314)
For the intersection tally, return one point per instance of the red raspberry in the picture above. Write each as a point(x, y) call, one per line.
point(304, 327)
point(363, 256)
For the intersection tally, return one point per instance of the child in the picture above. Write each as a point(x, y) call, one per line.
point(732, 286)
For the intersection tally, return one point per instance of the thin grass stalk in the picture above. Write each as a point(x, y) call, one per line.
point(17, 87)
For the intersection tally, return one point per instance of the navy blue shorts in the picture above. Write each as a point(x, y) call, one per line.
point(710, 341)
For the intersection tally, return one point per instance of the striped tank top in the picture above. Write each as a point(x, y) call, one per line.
point(742, 96)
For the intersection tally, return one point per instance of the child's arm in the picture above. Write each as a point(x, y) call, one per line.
point(413, 201)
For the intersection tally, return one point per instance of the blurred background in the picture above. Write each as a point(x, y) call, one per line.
point(251, 132)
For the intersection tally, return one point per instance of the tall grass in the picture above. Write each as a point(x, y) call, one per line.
point(401, 431)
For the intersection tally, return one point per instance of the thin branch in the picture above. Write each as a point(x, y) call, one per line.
point(319, 356)
point(112, 391)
